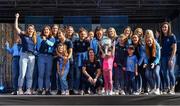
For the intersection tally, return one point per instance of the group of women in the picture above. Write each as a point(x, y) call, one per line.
point(58, 59)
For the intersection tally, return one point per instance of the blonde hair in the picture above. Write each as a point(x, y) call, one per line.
point(65, 52)
point(34, 35)
point(131, 32)
point(113, 29)
point(122, 36)
point(140, 30)
point(149, 34)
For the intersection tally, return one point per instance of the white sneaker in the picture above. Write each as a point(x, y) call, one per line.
point(44, 92)
point(116, 92)
point(135, 93)
point(100, 92)
point(122, 92)
point(20, 92)
point(28, 92)
point(34, 92)
point(76, 92)
point(106, 93)
point(171, 92)
point(103, 91)
point(110, 92)
point(63, 92)
point(151, 92)
point(157, 92)
point(81, 92)
point(67, 92)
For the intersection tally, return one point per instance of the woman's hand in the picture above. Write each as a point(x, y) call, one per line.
point(94, 81)
point(136, 73)
point(62, 72)
point(145, 65)
point(124, 68)
point(152, 65)
point(7, 44)
point(115, 64)
point(170, 63)
point(17, 15)
point(90, 80)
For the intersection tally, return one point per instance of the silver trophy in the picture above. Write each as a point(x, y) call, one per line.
point(106, 43)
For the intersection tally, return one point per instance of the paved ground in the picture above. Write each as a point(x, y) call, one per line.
point(89, 100)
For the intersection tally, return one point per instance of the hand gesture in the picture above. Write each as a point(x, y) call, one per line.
point(152, 65)
point(90, 80)
point(7, 44)
point(17, 15)
point(145, 65)
point(43, 37)
point(170, 63)
point(136, 73)
point(94, 81)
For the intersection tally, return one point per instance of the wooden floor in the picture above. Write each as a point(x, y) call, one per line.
point(89, 100)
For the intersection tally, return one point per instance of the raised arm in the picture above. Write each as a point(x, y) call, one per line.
point(100, 48)
point(16, 24)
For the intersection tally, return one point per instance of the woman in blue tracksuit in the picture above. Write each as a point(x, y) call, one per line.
point(153, 54)
point(140, 53)
point(15, 52)
point(168, 59)
point(80, 50)
point(45, 45)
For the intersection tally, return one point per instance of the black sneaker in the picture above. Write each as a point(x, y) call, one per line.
point(71, 92)
point(58, 92)
point(48, 93)
point(40, 92)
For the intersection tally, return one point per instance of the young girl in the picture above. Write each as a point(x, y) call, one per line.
point(62, 68)
point(120, 64)
point(27, 57)
point(15, 52)
point(131, 70)
point(90, 36)
point(107, 68)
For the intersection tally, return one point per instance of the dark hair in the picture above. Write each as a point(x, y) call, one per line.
point(46, 26)
point(161, 32)
point(61, 30)
point(131, 47)
point(169, 29)
point(82, 30)
point(91, 49)
point(98, 28)
point(69, 26)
